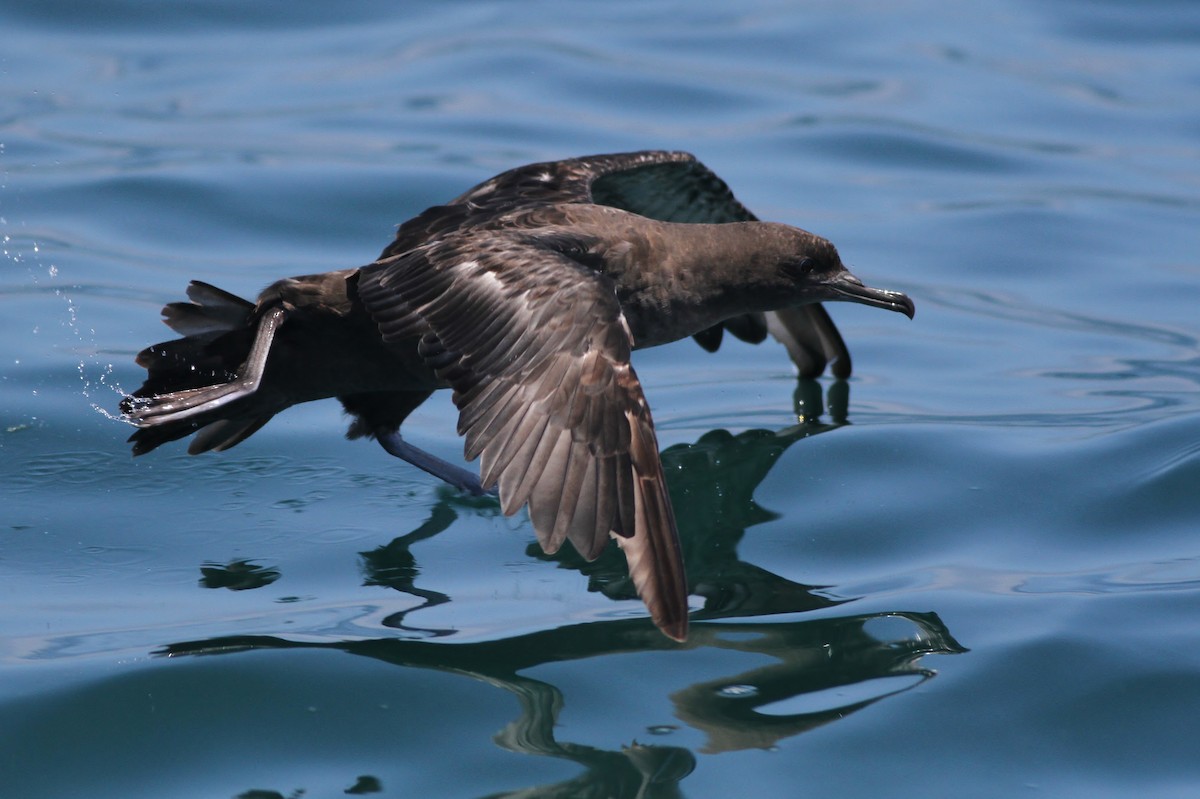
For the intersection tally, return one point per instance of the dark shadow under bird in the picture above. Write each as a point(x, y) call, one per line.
point(526, 296)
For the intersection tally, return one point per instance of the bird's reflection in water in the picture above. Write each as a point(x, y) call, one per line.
point(712, 483)
point(818, 662)
point(735, 711)
point(394, 566)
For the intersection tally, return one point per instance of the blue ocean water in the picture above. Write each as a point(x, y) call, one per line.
point(971, 570)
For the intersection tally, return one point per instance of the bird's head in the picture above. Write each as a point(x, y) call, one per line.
point(809, 269)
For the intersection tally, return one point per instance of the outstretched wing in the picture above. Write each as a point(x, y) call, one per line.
point(537, 351)
point(658, 184)
point(547, 183)
point(665, 185)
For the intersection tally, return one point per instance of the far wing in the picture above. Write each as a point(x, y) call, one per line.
point(669, 186)
point(537, 352)
point(546, 183)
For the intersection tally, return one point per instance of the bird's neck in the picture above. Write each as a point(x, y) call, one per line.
point(704, 275)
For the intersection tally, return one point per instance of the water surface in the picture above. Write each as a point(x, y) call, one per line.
point(971, 570)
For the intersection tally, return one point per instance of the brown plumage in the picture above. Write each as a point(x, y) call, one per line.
point(526, 296)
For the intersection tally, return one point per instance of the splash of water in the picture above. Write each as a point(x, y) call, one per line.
point(95, 375)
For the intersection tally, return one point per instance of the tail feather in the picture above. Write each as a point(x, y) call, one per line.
point(145, 439)
point(192, 362)
point(217, 336)
point(211, 310)
point(225, 433)
point(218, 333)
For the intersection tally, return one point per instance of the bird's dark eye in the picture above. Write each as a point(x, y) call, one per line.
point(801, 267)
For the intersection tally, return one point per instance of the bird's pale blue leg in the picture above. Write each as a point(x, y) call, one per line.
point(394, 444)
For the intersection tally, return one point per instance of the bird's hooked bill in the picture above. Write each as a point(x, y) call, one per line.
point(848, 288)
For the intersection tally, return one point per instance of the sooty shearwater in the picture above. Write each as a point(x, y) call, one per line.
point(526, 296)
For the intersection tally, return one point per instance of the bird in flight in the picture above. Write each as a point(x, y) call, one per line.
point(526, 296)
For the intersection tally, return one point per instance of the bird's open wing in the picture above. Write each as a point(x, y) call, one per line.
point(570, 181)
point(537, 351)
point(658, 184)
